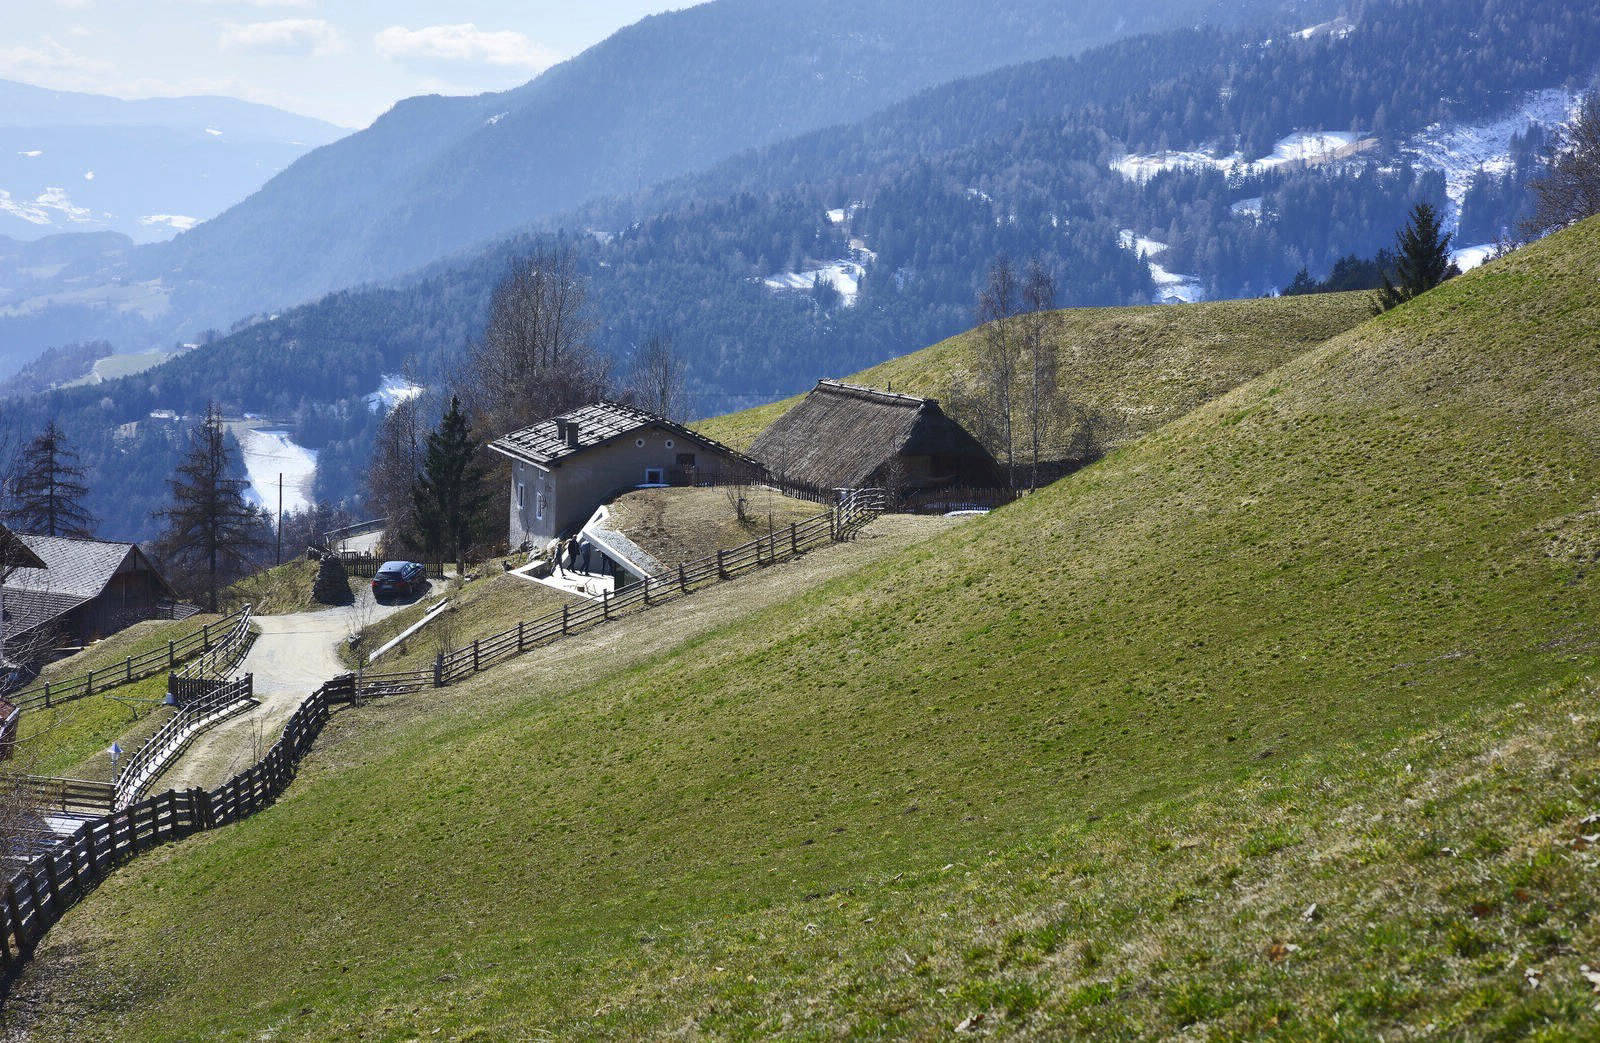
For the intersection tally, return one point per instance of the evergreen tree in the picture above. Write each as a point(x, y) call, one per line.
point(451, 495)
point(1424, 261)
point(49, 490)
point(212, 533)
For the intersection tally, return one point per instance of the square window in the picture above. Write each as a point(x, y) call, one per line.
point(685, 459)
point(653, 476)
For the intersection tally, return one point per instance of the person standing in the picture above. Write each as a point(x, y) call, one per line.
point(588, 551)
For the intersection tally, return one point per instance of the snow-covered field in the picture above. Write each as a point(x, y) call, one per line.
point(1309, 146)
point(393, 389)
point(268, 453)
point(1461, 150)
point(845, 276)
point(1170, 286)
point(1470, 257)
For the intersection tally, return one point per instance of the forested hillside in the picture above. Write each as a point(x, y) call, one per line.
point(671, 94)
point(840, 249)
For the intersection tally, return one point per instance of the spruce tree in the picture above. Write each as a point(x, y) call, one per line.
point(213, 534)
point(49, 489)
point(1423, 262)
point(451, 495)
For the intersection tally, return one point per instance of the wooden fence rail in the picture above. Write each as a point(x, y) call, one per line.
point(56, 879)
point(221, 702)
point(216, 662)
point(155, 661)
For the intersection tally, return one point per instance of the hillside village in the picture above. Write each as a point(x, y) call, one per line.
point(1184, 663)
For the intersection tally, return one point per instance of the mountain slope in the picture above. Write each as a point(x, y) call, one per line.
point(1091, 759)
point(147, 168)
point(672, 93)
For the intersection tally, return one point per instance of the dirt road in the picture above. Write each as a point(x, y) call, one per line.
point(291, 659)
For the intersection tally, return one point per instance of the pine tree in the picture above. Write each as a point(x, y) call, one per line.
point(49, 490)
point(212, 533)
point(451, 495)
point(1423, 262)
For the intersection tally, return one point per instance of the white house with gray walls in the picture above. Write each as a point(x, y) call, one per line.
point(565, 467)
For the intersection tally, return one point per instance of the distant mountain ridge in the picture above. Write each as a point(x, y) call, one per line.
point(673, 93)
point(148, 168)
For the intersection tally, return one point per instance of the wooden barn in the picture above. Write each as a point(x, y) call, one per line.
point(86, 590)
point(845, 436)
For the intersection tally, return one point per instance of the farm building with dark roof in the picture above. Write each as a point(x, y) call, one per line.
point(844, 436)
point(86, 589)
point(565, 467)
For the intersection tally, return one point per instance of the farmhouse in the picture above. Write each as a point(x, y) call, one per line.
point(845, 436)
point(85, 590)
point(14, 555)
point(565, 467)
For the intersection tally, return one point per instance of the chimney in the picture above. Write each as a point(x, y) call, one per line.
point(561, 428)
point(572, 434)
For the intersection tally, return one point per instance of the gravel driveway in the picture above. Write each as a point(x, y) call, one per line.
point(292, 658)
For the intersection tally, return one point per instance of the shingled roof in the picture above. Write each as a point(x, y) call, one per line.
point(596, 425)
point(840, 434)
point(75, 571)
point(16, 554)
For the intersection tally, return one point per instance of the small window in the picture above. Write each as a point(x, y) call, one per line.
point(669, 443)
point(639, 442)
point(685, 459)
point(522, 496)
point(653, 476)
point(538, 502)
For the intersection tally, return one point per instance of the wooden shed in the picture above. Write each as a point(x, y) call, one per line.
point(846, 436)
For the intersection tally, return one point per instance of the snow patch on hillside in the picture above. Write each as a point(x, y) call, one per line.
point(1247, 208)
point(845, 275)
point(1461, 150)
point(393, 389)
point(266, 455)
point(1337, 29)
point(1171, 287)
point(1306, 146)
point(1470, 257)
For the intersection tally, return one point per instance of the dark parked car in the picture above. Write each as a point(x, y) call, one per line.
point(399, 579)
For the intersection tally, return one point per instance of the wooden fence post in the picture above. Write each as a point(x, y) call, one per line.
point(722, 572)
point(205, 636)
point(16, 918)
point(647, 591)
point(47, 695)
point(172, 656)
point(475, 666)
point(605, 604)
point(519, 637)
point(683, 580)
point(89, 688)
point(794, 539)
point(563, 619)
point(129, 678)
point(438, 670)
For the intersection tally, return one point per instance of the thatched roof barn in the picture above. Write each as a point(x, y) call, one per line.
point(845, 436)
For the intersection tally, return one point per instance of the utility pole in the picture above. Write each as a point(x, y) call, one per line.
point(278, 555)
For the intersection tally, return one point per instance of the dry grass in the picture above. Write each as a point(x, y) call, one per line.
point(680, 525)
point(1142, 366)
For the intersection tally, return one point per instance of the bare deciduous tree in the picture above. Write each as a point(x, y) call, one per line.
point(396, 463)
point(998, 364)
point(1569, 191)
point(534, 359)
point(1044, 406)
point(659, 378)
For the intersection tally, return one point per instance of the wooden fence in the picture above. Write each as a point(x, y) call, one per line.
point(217, 704)
point(69, 796)
point(218, 661)
point(366, 566)
point(781, 545)
point(133, 668)
point(57, 878)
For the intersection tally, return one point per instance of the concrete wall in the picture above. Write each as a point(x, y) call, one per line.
point(577, 485)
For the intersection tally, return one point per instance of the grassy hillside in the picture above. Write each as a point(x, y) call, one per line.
point(1146, 366)
point(283, 588)
point(680, 525)
point(1276, 719)
point(71, 738)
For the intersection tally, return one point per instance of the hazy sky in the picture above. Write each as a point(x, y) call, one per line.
point(342, 60)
